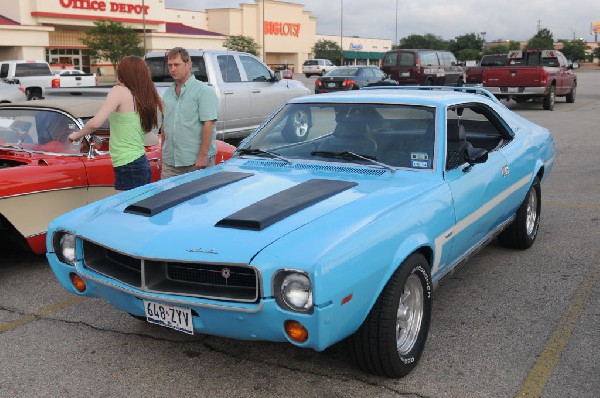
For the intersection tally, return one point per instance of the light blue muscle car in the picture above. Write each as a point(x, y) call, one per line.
point(334, 220)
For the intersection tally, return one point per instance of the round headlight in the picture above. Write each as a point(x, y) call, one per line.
point(64, 246)
point(296, 292)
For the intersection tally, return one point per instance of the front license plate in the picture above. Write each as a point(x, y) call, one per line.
point(169, 316)
point(330, 84)
point(513, 89)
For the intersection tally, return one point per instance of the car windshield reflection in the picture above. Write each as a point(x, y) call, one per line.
point(399, 136)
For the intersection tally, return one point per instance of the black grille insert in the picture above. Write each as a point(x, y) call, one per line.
point(208, 280)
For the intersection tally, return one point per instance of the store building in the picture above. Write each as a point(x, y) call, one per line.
point(53, 30)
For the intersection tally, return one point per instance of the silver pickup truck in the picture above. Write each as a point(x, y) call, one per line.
point(248, 91)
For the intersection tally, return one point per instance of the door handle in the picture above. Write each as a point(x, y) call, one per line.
point(228, 92)
point(256, 91)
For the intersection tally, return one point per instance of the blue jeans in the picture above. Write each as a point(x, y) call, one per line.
point(133, 175)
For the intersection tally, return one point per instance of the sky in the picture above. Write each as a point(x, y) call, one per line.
point(500, 19)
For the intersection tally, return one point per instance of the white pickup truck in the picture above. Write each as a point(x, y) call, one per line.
point(32, 76)
point(247, 90)
point(74, 78)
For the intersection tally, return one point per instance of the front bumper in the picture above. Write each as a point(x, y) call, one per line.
point(245, 321)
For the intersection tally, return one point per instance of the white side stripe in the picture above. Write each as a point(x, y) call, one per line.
point(466, 222)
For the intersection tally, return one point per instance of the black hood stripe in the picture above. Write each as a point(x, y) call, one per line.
point(174, 196)
point(268, 211)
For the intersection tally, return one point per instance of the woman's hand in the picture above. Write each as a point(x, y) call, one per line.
point(74, 136)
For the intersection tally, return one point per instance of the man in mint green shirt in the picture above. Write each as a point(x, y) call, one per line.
point(190, 112)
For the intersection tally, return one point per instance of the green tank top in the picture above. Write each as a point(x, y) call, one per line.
point(126, 138)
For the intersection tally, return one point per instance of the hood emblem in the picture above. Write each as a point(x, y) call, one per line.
point(201, 250)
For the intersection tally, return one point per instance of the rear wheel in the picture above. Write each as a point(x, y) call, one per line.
point(34, 94)
point(548, 102)
point(307, 75)
point(522, 232)
point(392, 338)
point(571, 95)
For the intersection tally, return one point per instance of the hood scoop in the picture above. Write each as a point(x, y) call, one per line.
point(174, 196)
point(268, 211)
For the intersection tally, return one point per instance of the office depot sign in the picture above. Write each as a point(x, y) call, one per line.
point(111, 6)
point(281, 28)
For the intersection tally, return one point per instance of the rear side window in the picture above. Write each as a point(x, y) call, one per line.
point(4, 70)
point(429, 58)
point(32, 69)
point(407, 59)
point(448, 58)
point(390, 59)
point(311, 62)
point(229, 69)
point(159, 69)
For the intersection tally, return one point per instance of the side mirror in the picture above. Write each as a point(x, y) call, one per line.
point(277, 76)
point(575, 65)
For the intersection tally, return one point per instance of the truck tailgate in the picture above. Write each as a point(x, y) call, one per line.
point(513, 77)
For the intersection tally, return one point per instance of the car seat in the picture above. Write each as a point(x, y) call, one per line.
point(351, 135)
point(457, 145)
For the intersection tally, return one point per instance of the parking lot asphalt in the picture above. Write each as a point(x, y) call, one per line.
point(507, 324)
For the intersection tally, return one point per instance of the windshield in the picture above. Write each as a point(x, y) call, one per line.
point(37, 130)
point(385, 134)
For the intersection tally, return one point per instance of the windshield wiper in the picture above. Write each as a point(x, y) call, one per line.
point(262, 152)
point(351, 156)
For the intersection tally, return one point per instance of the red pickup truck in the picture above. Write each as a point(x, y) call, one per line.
point(474, 74)
point(541, 75)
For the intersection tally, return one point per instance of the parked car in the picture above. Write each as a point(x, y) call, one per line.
point(540, 75)
point(423, 67)
point(247, 90)
point(74, 78)
point(11, 93)
point(42, 175)
point(33, 76)
point(346, 78)
point(474, 74)
point(343, 235)
point(317, 67)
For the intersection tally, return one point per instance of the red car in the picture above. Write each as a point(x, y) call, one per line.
point(42, 175)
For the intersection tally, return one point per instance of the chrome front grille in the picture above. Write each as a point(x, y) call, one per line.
point(207, 280)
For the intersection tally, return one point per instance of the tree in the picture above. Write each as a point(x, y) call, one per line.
point(242, 43)
point(541, 41)
point(469, 41)
point(428, 40)
point(328, 49)
point(574, 50)
point(468, 53)
point(502, 48)
point(112, 41)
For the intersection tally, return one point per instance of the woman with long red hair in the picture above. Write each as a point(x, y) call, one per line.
point(132, 108)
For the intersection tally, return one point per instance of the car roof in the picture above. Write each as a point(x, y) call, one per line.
point(77, 106)
point(395, 95)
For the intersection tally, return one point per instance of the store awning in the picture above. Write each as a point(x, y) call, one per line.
point(363, 55)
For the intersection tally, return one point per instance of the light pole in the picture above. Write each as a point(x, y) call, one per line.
point(144, 24)
point(342, 31)
point(483, 38)
point(396, 29)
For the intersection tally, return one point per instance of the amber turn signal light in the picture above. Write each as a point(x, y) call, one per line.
point(295, 331)
point(77, 282)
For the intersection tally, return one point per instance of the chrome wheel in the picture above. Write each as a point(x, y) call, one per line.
point(409, 315)
point(300, 124)
point(532, 207)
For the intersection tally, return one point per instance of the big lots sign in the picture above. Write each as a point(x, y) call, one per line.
point(111, 6)
point(281, 28)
